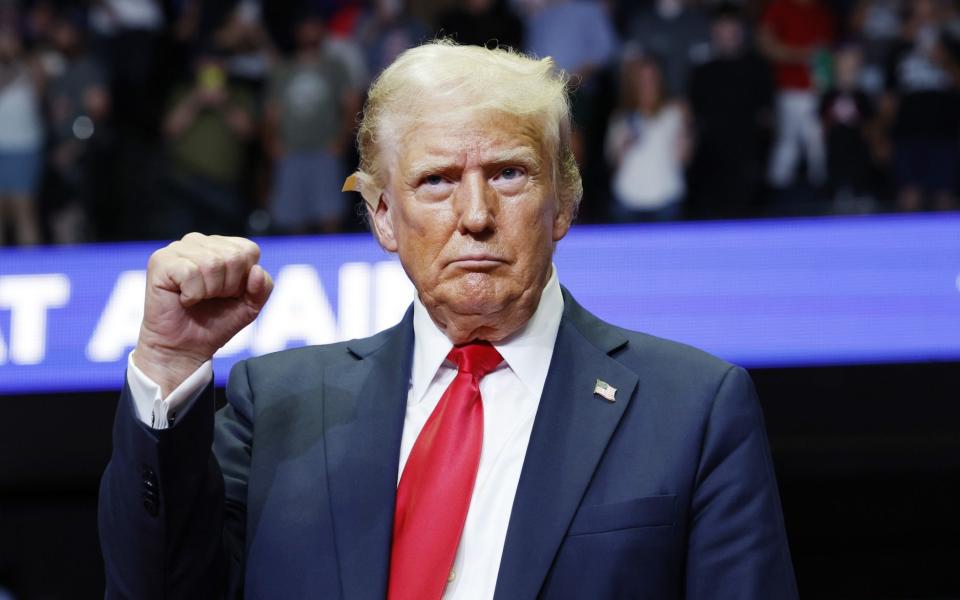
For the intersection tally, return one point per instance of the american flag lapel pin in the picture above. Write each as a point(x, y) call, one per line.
point(605, 390)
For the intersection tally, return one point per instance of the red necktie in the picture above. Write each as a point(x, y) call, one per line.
point(437, 482)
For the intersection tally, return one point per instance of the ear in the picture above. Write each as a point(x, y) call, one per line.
point(383, 224)
point(562, 221)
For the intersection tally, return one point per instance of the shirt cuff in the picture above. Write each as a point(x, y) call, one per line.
point(158, 412)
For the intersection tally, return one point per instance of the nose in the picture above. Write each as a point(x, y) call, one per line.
point(476, 202)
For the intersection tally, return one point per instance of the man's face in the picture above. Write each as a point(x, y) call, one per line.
point(470, 209)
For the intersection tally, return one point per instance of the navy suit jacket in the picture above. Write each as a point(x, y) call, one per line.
point(666, 492)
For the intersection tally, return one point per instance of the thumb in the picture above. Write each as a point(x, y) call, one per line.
point(259, 286)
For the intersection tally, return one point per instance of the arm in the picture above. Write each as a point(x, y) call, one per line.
point(167, 527)
point(190, 519)
point(737, 544)
point(161, 507)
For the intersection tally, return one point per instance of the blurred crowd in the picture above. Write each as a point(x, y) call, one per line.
point(136, 119)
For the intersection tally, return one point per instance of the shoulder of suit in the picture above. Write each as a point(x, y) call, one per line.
point(642, 351)
point(657, 350)
point(296, 359)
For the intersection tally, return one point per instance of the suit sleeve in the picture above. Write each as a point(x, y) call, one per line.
point(737, 546)
point(171, 515)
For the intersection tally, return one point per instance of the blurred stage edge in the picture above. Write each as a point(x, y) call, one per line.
point(868, 461)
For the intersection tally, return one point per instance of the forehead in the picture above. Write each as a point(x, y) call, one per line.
point(456, 138)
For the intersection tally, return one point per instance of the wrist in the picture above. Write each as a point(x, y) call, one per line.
point(166, 367)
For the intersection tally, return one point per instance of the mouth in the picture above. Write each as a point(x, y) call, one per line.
point(476, 262)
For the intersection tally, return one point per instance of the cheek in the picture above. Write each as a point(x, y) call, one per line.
point(531, 229)
point(422, 231)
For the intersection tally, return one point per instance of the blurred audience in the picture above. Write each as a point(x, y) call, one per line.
point(127, 36)
point(677, 33)
point(847, 113)
point(648, 144)
point(309, 110)
point(247, 45)
point(78, 108)
point(581, 40)
point(206, 127)
point(796, 35)
point(924, 104)
point(385, 30)
point(126, 119)
point(21, 138)
point(482, 22)
point(877, 24)
point(731, 95)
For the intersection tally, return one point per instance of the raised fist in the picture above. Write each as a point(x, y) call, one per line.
point(201, 291)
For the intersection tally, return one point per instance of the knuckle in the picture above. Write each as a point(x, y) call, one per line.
point(235, 260)
point(252, 248)
point(211, 266)
point(156, 258)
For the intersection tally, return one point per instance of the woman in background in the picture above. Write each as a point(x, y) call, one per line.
point(21, 139)
point(648, 145)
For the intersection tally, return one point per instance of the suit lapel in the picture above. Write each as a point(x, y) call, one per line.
point(364, 408)
point(570, 433)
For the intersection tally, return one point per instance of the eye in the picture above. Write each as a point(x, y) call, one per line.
point(510, 173)
point(433, 179)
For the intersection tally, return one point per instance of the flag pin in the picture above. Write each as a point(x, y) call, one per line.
point(605, 390)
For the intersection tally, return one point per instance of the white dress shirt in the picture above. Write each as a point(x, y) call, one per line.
point(511, 395)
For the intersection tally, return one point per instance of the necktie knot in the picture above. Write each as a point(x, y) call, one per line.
point(476, 358)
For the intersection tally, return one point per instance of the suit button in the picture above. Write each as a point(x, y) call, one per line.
point(150, 492)
point(151, 506)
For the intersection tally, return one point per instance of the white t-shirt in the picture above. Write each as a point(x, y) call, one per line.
point(650, 174)
point(112, 15)
point(21, 126)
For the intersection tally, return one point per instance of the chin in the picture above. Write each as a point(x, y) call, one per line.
point(475, 294)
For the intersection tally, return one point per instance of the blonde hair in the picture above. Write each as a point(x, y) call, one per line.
point(468, 79)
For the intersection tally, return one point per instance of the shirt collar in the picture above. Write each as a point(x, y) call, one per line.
point(527, 352)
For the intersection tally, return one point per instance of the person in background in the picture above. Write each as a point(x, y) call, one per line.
point(795, 35)
point(206, 128)
point(341, 43)
point(78, 103)
point(847, 113)
point(580, 38)
point(648, 144)
point(923, 105)
point(385, 30)
point(877, 25)
point(21, 138)
point(249, 59)
point(480, 22)
point(731, 97)
point(675, 32)
point(250, 50)
point(128, 37)
point(309, 121)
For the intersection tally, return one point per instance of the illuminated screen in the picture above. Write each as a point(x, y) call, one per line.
point(758, 293)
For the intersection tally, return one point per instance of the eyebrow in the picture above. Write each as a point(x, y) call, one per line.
point(520, 155)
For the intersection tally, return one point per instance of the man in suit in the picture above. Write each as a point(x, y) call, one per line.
point(499, 442)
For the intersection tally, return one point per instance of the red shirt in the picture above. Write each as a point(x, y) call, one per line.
point(800, 25)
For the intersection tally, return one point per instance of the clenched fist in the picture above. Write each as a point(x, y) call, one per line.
point(201, 291)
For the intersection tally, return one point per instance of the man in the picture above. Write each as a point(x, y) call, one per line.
point(731, 96)
point(309, 115)
point(795, 36)
point(550, 455)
